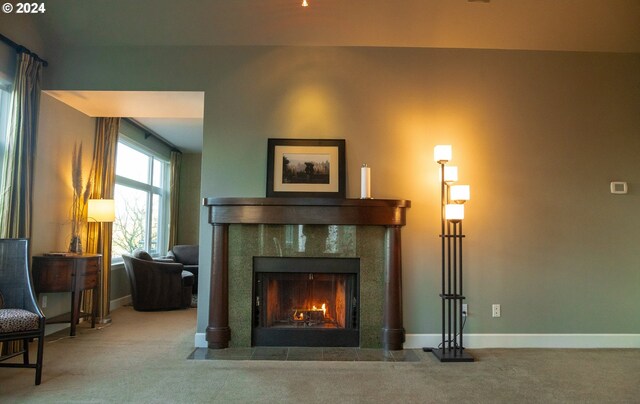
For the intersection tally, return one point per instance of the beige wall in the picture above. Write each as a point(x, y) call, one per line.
point(190, 199)
point(59, 128)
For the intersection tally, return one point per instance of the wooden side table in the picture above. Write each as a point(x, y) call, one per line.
point(72, 273)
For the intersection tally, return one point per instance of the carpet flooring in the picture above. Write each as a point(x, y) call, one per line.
point(143, 358)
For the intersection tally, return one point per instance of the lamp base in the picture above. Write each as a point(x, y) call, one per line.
point(452, 355)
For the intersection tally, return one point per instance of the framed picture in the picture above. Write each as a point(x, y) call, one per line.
point(306, 168)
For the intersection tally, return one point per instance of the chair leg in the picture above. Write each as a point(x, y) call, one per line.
point(25, 353)
point(39, 358)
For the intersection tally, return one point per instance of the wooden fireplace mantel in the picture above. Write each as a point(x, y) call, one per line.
point(328, 211)
point(368, 212)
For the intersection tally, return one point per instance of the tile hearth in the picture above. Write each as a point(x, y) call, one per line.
point(306, 354)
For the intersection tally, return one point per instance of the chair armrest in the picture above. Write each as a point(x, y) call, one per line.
point(164, 259)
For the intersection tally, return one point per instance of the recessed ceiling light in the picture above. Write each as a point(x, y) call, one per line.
point(304, 3)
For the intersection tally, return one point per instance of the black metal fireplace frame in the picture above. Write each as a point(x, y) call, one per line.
point(307, 337)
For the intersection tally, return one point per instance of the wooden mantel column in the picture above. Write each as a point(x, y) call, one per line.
point(323, 211)
point(218, 331)
point(392, 329)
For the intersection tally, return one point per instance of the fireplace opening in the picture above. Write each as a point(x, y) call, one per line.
point(305, 301)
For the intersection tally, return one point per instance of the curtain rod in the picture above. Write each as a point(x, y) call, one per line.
point(148, 132)
point(22, 49)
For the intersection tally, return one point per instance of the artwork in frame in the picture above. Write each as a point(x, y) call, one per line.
point(307, 168)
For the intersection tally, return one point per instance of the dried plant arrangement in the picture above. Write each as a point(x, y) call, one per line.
point(80, 199)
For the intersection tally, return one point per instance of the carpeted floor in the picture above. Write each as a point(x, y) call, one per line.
point(142, 358)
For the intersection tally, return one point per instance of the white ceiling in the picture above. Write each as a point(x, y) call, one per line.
point(177, 116)
point(556, 25)
point(184, 133)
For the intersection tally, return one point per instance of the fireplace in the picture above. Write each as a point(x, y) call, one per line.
point(367, 231)
point(305, 302)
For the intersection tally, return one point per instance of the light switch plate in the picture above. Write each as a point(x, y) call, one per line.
point(618, 187)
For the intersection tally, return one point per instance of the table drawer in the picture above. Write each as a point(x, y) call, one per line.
point(52, 276)
point(88, 279)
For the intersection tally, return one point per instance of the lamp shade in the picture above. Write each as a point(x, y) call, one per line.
point(459, 193)
point(450, 174)
point(454, 212)
point(101, 210)
point(442, 153)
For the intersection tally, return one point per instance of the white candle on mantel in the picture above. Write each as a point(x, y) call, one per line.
point(365, 182)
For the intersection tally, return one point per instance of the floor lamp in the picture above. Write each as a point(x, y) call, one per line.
point(103, 211)
point(452, 199)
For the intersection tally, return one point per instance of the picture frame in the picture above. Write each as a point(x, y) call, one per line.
point(306, 168)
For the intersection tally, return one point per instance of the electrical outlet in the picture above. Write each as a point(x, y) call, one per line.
point(43, 299)
point(496, 310)
point(465, 309)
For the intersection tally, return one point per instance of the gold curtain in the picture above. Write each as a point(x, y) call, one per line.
point(16, 179)
point(176, 162)
point(99, 234)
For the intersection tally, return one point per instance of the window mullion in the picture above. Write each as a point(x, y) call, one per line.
point(128, 182)
point(148, 220)
point(149, 204)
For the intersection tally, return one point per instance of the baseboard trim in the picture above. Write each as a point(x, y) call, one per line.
point(200, 340)
point(114, 304)
point(119, 302)
point(53, 328)
point(477, 341)
point(531, 340)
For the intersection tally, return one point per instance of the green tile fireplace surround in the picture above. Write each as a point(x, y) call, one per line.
point(244, 228)
point(364, 242)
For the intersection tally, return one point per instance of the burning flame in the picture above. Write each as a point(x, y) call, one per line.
point(299, 314)
point(323, 309)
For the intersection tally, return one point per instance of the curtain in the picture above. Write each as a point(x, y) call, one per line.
point(104, 179)
point(174, 196)
point(16, 176)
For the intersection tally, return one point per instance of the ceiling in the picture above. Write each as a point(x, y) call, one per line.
point(176, 116)
point(547, 25)
point(569, 25)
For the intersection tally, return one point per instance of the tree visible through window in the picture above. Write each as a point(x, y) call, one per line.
point(141, 197)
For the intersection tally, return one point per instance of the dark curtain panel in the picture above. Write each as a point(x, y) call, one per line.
point(16, 177)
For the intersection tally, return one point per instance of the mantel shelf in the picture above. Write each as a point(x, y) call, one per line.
point(383, 212)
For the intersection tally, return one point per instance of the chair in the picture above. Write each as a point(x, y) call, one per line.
point(157, 285)
point(187, 255)
point(20, 316)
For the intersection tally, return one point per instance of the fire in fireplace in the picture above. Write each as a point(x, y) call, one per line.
point(305, 301)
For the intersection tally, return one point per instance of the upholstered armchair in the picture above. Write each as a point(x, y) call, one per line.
point(157, 285)
point(187, 255)
point(20, 316)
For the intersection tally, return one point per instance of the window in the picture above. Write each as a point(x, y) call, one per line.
point(5, 101)
point(142, 201)
point(5, 106)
